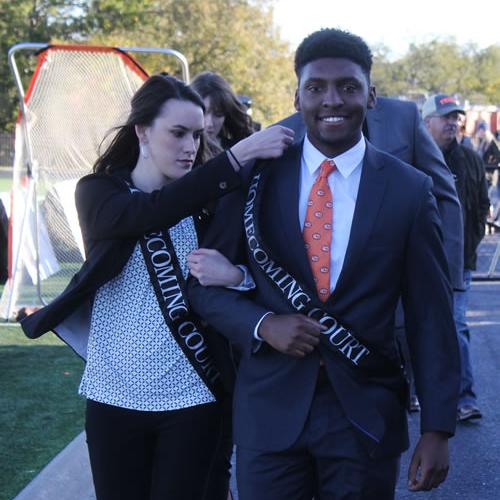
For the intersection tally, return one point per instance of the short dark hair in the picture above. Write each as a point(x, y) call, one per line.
point(146, 105)
point(334, 43)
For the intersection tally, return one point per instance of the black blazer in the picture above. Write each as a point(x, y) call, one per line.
point(112, 219)
point(395, 249)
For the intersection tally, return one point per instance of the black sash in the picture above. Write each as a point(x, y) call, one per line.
point(166, 278)
point(337, 338)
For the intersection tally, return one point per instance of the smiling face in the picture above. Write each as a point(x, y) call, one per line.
point(333, 96)
point(172, 140)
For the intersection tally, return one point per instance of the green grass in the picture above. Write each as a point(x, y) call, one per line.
point(5, 184)
point(40, 408)
point(50, 287)
point(5, 178)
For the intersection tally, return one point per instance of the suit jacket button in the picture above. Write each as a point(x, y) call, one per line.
point(223, 185)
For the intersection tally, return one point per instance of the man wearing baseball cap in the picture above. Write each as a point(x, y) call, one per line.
point(440, 114)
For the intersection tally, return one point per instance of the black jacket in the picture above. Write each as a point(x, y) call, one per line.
point(472, 189)
point(112, 219)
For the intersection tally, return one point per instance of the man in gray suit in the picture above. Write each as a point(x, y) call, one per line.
point(396, 127)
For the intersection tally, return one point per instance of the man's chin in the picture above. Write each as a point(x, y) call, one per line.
point(446, 143)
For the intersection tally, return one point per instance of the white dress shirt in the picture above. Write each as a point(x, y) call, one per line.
point(344, 184)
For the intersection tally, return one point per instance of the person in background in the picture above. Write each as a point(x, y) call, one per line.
point(227, 120)
point(485, 145)
point(154, 377)
point(440, 114)
point(462, 137)
point(493, 220)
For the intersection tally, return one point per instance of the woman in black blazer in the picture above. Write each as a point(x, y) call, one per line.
point(154, 376)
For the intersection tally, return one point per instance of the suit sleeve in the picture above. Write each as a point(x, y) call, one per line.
point(484, 200)
point(428, 307)
point(296, 123)
point(429, 159)
point(233, 314)
point(107, 209)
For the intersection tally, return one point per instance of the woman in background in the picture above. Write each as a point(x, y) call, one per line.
point(485, 145)
point(226, 118)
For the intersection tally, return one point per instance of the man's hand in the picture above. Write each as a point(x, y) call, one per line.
point(429, 463)
point(292, 334)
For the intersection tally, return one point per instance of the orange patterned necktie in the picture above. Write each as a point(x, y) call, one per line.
point(318, 229)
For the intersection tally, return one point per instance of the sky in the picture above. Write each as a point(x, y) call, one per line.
point(394, 23)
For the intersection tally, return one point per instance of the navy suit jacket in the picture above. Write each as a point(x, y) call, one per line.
point(395, 249)
point(395, 127)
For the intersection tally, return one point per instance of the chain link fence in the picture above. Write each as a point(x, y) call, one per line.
point(6, 149)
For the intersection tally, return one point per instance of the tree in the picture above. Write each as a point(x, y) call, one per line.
point(235, 38)
point(386, 75)
point(440, 66)
point(487, 69)
point(31, 21)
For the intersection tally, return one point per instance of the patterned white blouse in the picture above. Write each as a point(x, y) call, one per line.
point(132, 360)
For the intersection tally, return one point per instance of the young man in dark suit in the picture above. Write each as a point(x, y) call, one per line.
point(395, 126)
point(335, 232)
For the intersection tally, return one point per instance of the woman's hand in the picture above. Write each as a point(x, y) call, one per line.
point(211, 268)
point(268, 143)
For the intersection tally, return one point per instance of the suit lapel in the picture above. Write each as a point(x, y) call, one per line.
point(286, 187)
point(372, 187)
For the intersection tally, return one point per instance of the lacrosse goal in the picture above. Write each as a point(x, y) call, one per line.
point(76, 95)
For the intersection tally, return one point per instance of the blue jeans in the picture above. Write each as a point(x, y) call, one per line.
point(461, 298)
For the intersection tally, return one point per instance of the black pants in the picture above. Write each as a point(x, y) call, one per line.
point(168, 455)
point(327, 462)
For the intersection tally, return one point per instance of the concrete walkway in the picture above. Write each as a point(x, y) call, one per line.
point(475, 449)
point(66, 477)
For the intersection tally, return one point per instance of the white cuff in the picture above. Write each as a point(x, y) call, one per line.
point(247, 283)
point(257, 342)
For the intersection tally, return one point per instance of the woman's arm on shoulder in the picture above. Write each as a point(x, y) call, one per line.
point(108, 208)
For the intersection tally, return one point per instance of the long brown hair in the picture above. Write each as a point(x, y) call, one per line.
point(123, 150)
point(237, 122)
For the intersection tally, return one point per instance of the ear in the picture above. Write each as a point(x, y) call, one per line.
point(296, 101)
point(140, 131)
point(372, 97)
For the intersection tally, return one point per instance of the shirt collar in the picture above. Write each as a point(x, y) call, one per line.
point(345, 162)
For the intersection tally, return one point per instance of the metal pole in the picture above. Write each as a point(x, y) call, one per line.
point(31, 171)
point(172, 52)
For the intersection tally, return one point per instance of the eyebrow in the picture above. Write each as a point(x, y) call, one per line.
point(186, 129)
point(341, 80)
